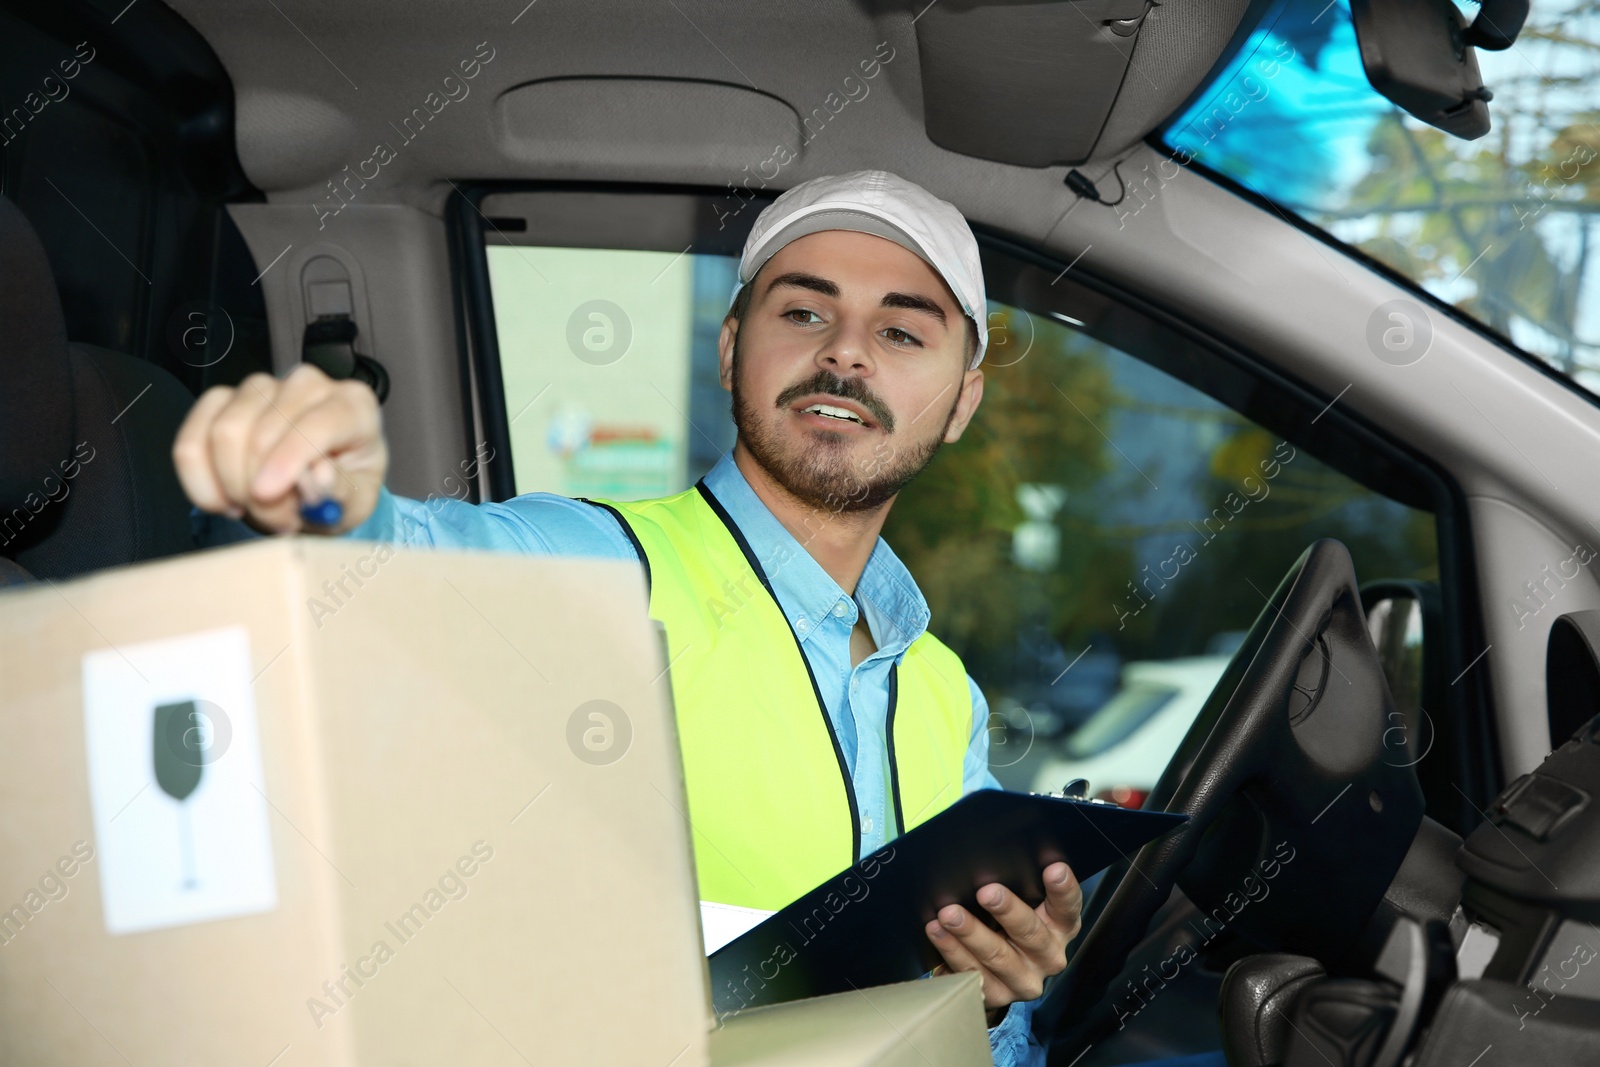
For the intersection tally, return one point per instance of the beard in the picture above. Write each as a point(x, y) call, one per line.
point(822, 472)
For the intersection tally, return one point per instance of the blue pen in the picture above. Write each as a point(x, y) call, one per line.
point(316, 507)
point(326, 513)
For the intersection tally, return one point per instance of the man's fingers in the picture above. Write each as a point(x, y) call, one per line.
point(1024, 927)
point(1030, 947)
point(281, 516)
point(244, 451)
point(191, 454)
point(959, 959)
point(231, 433)
point(288, 401)
point(320, 480)
point(1032, 943)
point(346, 418)
point(1063, 899)
point(993, 952)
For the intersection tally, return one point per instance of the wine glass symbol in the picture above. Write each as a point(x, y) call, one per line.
point(184, 736)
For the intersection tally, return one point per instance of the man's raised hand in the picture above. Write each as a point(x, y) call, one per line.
point(257, 451)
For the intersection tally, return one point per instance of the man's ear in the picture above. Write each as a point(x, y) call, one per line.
point(730, 330)
point(966, 404)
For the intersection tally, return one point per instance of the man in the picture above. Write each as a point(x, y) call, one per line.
point(817, 716)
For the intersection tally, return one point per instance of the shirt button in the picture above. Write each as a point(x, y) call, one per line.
point(803, 625)
point(839, 609)
point(866, 826)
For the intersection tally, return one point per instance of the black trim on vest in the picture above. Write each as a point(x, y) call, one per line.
point(822, 706)
point(894, 764)
point(628, 530)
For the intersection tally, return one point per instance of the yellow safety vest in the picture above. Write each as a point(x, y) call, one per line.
point(771, 804)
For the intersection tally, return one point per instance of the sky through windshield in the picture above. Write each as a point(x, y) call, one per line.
point(1501, 227)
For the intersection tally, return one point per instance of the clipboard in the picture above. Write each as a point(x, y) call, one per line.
point(864, 926)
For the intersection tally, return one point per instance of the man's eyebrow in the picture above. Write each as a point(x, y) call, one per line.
point(913, 302)
point(801, 280)
point(905, 301)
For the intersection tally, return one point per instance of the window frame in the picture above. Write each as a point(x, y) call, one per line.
point(1338, 437)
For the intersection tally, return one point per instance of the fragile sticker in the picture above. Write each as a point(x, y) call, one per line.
point(180, 816)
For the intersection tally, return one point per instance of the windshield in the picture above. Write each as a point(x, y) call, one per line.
point(1499, 227)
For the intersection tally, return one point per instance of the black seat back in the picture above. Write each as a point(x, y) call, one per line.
point(86, 475)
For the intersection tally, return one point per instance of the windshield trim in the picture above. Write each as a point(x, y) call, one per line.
point(1157, 142)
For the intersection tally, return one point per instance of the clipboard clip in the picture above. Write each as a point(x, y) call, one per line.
point(1078, 789)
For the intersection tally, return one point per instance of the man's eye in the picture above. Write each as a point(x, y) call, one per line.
point(900, 337)
point(815, 318)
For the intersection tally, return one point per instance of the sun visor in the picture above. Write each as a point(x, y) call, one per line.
point(1028, 84)
point(588, 121)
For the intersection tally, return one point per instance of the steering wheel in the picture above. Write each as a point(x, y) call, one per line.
point(1288, 753)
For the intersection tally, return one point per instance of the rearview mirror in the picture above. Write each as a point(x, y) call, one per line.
point(1395, 622)
point(1420, 55)
point(1400, 614)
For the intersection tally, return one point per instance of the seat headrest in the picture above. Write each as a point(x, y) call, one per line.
point(36, 406)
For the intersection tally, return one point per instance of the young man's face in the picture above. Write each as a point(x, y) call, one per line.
point(860, 325)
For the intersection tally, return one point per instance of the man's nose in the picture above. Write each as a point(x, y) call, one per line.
point(848, 350)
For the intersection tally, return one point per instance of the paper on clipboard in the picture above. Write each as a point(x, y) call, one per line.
point(721, 923)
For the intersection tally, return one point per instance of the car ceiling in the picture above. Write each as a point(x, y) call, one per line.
point(318, 86)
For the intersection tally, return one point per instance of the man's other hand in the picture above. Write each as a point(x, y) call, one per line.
point(257, 451)
point(1031, 947)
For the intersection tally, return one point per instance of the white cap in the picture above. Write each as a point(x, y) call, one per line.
point(888, 206)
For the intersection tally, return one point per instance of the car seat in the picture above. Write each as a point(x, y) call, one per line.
point(86, 473)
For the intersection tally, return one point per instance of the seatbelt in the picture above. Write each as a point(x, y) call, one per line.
point(329, 344)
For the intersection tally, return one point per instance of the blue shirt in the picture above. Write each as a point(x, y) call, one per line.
point(820, 611)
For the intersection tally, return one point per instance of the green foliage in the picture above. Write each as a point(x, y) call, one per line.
point(1041, 423)
point(1442, 209)
point(953, 526)
point(1500, 226)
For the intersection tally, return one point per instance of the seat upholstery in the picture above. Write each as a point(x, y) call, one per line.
point(86, 476)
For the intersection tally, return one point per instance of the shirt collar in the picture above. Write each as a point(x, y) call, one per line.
point(806, 592)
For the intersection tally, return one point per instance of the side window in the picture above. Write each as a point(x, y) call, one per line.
point(608, 360)
point(1097, 543)
point(601, 334)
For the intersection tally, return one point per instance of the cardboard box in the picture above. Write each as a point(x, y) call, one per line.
point(401, 808)
point(932, 1023)
point(306, 802)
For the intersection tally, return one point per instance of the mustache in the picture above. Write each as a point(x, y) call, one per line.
point(845, 388)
